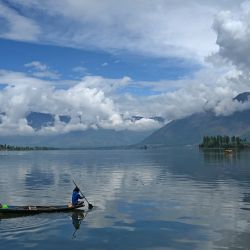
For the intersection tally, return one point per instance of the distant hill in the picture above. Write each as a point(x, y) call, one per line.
point(89, 138)
point(243, 97)
point(190, 130)
point(79, 139)
point(38, 120)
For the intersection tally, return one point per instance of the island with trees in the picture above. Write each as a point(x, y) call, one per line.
point(224, 142)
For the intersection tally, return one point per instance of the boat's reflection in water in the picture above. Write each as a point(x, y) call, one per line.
point(77, 216)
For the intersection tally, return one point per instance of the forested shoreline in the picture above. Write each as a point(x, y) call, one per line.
point(224, 142)
point(5, 147)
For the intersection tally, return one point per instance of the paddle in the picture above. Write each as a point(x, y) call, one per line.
point(90, 206)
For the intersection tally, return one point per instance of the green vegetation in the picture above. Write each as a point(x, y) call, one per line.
point(4, 147)
point(224, 142)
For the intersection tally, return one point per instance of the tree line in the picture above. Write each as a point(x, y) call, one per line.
point(224, 142)
point(5, 147)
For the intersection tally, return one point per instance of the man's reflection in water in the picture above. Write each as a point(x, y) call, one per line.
point(77, 218)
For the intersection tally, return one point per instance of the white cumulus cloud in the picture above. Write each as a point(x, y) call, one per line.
point(90, 103)
point(160, 28)
point(152, 28)
point(233, 36)
point(41, 70)
point(17, 27)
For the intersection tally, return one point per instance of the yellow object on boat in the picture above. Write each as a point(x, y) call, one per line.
point(70, 204)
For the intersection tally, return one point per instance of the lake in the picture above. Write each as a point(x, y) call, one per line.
point(168, 198)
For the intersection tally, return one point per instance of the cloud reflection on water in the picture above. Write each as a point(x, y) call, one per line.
point(168, 188)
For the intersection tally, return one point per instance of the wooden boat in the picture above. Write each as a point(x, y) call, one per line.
point(38, 209)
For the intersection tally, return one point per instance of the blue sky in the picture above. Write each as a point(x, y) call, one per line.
point(108, 61)
point(74, 63)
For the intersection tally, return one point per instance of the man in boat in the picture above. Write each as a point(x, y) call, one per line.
point(76, 196)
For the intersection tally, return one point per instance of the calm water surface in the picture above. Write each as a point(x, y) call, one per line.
point(173, 198)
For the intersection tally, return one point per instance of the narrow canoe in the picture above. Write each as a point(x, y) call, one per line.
point(37, 209)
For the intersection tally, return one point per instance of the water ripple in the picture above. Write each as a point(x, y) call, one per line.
point(13, 227)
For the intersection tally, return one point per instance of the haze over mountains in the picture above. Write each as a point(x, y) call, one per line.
point(188, 130)
point(191, 129)
point(88, 138)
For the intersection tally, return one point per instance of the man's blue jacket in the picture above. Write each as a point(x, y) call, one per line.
point(75, 197)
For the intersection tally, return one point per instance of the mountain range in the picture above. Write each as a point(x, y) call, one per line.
point(89, 138)
point(186, 131)
point(191, 129)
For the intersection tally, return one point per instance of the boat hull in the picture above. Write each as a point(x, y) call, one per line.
point(38, 209)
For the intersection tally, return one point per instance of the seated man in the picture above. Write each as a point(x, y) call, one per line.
point(76, 196)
